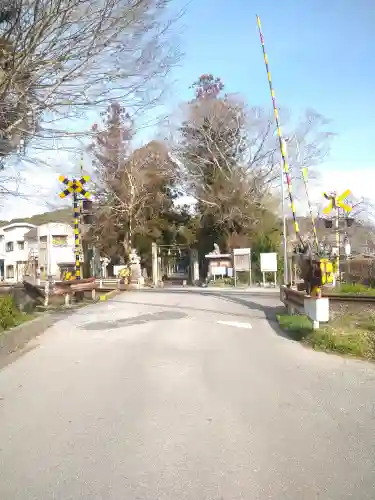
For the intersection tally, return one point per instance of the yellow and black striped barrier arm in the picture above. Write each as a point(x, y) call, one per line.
point(281, 140)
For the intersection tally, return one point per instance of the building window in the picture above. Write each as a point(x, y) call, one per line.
point(21, 245)
point(9, 246)
point(43, 239)
point(60, 240)
point(10, 272)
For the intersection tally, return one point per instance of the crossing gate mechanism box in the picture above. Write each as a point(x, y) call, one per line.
point(327, 273)
point(317, 309)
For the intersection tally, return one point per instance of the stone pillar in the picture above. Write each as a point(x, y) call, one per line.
point(194, 265)
point(154, 257)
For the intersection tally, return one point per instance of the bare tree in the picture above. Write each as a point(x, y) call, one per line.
point(231, 163)
point(59, 58)
point(257, 147)
point(227, 169)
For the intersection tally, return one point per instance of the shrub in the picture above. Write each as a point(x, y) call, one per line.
point(8, 312)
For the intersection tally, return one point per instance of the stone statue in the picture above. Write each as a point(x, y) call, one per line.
point(104, 264)
point(135, 265)
point(216, 250)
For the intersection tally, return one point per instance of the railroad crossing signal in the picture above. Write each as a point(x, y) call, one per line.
point(337, 202)
point(74, 186)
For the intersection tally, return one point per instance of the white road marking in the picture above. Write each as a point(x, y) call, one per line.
point(235, 323)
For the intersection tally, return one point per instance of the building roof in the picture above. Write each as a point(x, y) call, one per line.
point(32, 234)
point(17, 224)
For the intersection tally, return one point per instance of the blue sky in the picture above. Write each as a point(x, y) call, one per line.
point(321, 55)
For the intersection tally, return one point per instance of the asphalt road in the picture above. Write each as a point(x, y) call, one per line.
point(171, 395)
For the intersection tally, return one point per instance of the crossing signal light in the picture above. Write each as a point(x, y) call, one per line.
point(88, 218)
point(87, 206)
point(87, 212)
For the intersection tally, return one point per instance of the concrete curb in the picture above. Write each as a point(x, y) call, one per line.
point(15, 338)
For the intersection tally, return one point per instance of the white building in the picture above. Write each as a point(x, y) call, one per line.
point(14, 250)
point(25, 248)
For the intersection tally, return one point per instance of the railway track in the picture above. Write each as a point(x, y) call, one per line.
point(344, 297)
point(336, 299)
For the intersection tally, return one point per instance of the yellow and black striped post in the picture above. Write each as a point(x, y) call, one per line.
point(75, 187)
point(77, 256)
point(281, 140)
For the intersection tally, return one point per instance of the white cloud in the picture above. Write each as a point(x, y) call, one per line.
point(361, 182)
point(38, 185)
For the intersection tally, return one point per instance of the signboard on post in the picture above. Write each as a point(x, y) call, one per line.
point(268, 264)
point(219, 271)
point(242, 262)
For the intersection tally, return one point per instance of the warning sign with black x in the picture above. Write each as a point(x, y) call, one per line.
point(74, 186)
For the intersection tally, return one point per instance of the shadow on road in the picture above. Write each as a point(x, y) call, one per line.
point(138, 320)
point(252, 301)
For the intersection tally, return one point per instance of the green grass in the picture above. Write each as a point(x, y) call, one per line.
point(297, 326)
point(222, 282)
point(350, 334)
point(356, 289)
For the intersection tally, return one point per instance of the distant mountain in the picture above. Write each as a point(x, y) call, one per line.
point(63, 215)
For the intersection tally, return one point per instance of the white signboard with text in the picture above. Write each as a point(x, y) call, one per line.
point(219, 271)
point(268, 262)
point(242, 259)
point(242, 251)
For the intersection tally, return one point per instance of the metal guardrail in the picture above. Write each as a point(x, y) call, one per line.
point(296, 296)
point(315, 308)
point(293, 299)
point(71, 288)
point(111, 283)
